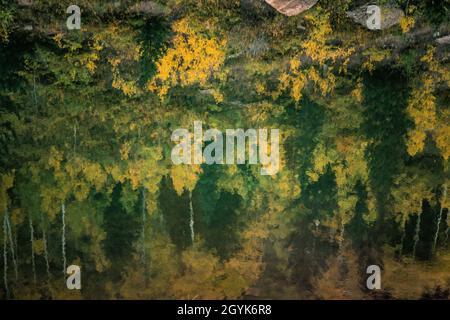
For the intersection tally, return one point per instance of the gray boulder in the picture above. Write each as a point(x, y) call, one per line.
point(389, 16)
point(149, 8)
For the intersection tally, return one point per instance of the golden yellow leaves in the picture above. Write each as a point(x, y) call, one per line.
point(51, 200)
point(73, 176)
point(17, 216)
point(123, 53)
point(78, 176)
point(422, 109)
point(325, 85)
point(6, 183)
point(125, 150)
point(316, 46)
point(94, 174)
point(55, 158)
point(193, 59)
point(357, 93)
point(128, 87)
point(322, 157)
point(294, 81)
point(90, 59)
point(319, 72)
point(442, 134)
point(445, 199)
point(6, 19)
point(218, 96)
point(260, 88)
point(38, 246)
point(407, 23)
point(141, 170)
point(409, 192)
point(185, 177)
point(428, 58)
point(347, 160)
point(297, 84)
point(77, 55)
point(416, 142)
point(287, 185)
point(374, 56)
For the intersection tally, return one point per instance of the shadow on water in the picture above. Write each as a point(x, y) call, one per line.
point(175, 212)
point(308, 120)
point(385, 100)
point(218, 214)
point(122, 225)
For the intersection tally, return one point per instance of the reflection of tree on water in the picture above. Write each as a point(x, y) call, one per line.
point(215, 215)
point(175, 210)
point(311, 250)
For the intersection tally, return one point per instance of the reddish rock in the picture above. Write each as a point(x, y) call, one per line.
point(291, 7)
